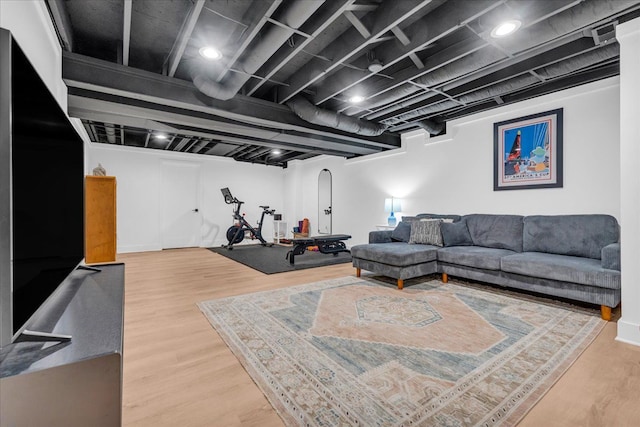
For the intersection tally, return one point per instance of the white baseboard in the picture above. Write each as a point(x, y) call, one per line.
point(628, 332)
point(138, 248)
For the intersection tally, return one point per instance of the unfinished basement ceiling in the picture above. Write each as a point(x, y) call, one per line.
point(288, 70)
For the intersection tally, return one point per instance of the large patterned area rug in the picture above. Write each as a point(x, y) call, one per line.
point(359, 352)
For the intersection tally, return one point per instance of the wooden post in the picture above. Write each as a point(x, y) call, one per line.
point(358, 272)
point(400, 284)
point(445, 278)
point(605, 312)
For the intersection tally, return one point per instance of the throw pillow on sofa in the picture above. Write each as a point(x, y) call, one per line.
point(456, 234)
point(402, 232)
point(426, 232)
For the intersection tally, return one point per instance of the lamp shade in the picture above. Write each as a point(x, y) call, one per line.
point(392, 205)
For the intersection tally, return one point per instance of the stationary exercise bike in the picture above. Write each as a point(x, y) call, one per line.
point(236, 233)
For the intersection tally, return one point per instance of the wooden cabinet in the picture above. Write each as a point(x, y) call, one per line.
point(100, 219)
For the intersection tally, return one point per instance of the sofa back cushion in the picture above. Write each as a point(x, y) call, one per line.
point(576, 235)
point(456, 234)
point(496, 231)
point(455, 218)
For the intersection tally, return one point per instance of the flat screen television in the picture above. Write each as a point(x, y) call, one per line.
point(41, 192)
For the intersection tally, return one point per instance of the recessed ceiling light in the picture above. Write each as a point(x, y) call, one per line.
point(356, 99)
point(375, 66)
point(160, 136)
point(210, 52)
point(275, 152)
point(505, 28)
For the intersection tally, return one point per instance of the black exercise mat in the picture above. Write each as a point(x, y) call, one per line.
point(272, 259)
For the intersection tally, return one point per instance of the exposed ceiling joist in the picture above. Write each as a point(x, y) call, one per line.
point(467, 67)
point(436, 25)
point(60, 18)
point(175, 56)
point(338, 7)
point(251, 34)
point(357, 24)
point(387, 16)
point(126, 31)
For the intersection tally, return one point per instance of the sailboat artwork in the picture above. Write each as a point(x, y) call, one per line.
point(529, 152)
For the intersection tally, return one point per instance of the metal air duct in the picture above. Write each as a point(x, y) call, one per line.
point(583, 60)
point(430, 126)
point(312, 114)
point(275, 37)
point(110, 131)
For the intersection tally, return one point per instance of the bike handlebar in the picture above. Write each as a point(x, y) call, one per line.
point(229, 199)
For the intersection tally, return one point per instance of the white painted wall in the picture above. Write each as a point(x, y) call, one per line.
point(454, 173)
point(628, 35)
point(31, 27)
point(138, 174)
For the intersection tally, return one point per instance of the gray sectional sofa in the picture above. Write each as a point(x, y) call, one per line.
point(570, 256)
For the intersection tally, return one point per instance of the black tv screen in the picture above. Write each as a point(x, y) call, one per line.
point(46, 191)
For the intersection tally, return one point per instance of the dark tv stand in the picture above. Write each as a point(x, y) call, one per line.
point(88, 268)
point(34, 336)
point(76, 382)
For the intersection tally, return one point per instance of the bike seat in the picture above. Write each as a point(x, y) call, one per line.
point(265, 207)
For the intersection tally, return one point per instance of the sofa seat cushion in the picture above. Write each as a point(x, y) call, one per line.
point(398, 253)
point(473, 256)
point(565, 268)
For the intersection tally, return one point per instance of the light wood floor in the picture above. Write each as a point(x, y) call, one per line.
point(179, 372)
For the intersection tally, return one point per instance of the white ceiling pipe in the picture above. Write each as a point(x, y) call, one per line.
point(111, 133)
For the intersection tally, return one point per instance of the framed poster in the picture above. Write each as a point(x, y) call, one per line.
point(527, 152)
